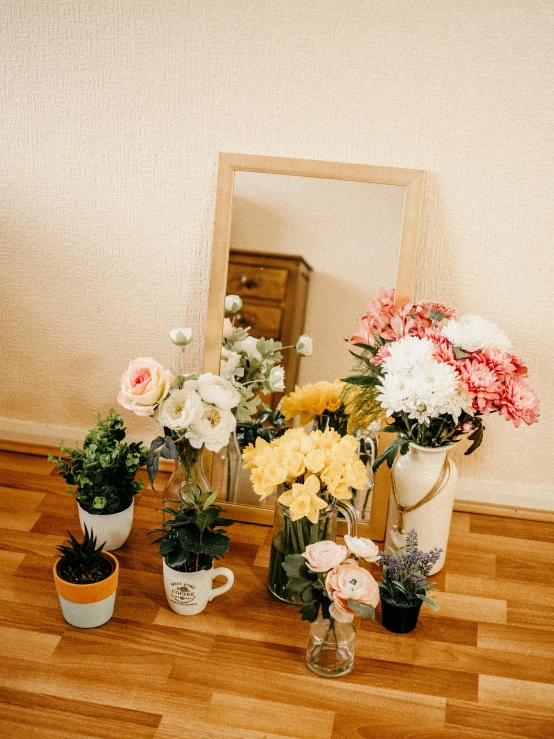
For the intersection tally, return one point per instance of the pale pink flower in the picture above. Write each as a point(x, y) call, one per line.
point(481, 384)
point(144, 385)
point(350, 581)
point(363, 548)
point(324, 555)
point(382, 353)
point(519, 403)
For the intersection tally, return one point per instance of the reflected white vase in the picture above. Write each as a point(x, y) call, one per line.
point(415, 473)
point(113, 528)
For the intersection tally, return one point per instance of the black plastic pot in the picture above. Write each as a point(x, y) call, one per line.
point(399, 619)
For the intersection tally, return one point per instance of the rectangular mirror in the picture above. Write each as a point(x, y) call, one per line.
point(307, 245)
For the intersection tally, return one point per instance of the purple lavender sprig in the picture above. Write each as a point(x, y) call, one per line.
point(405, 573)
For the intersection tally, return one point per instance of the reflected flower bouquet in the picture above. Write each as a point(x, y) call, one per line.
point(435, 375)
point(250, 364)
point(320, 402)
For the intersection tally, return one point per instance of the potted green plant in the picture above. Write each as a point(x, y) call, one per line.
point(86, 578)
point(404, 584)
point(192, 537)
point(103, 473)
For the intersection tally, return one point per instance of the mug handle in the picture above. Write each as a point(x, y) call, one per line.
point(226, 572)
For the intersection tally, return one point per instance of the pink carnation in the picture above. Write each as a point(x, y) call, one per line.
point(481, 384)
point(381, 355)
point(501, 362)
point(519, 403)
point(444, 351)
point(428, 306)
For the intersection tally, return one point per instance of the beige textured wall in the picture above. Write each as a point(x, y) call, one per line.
point(349, 234)
point(112, 117)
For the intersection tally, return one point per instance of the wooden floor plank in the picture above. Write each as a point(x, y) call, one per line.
point(482, 668)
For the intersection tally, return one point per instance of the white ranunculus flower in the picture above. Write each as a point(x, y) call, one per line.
point(276, 379)
point(363, 548)
point(248, 346)
point(230, 363)
point(305, 346)
point(233, 303)
point(181, 336)
point(218, 391)
point(212, 428)
point(180, 408)
point(473, 332)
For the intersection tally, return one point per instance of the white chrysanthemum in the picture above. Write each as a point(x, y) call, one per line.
point(424, 392)
point(473, 332)
point(407, 354)
point(180, 408)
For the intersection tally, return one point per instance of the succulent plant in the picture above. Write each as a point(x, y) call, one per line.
point(83, 562)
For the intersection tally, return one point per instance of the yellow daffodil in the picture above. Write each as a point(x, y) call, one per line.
point(303, 500)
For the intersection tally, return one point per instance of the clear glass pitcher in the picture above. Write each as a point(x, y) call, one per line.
point(292, 537)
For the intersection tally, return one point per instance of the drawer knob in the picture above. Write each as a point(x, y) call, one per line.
point(246, 319)
point(248, 282)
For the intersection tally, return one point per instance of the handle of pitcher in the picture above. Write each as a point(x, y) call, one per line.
point(349, 512)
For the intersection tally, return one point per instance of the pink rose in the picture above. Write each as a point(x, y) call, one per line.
point(350, 581)
point(324, 555)
point(144, 385)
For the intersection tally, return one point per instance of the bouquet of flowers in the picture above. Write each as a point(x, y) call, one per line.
point(251, 364)
point(327, 576)
point(313, 473)
point(195, 410)
point(320, 402)
point(434, 374)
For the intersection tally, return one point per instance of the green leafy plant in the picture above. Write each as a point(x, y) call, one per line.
point(104, 470)
point(194, 534)
point(83, 563)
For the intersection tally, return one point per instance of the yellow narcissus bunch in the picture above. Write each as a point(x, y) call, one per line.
point(312, 400)
point(308, 465)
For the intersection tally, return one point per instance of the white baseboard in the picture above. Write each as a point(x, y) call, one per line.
point(30, 432)
point(539, 497)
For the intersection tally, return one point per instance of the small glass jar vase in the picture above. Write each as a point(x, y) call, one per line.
point(188, 474)
point(227, 464)
point(292, 537)
point(331, 647)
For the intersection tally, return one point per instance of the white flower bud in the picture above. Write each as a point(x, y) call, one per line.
point(276, 379)
point(181, 336)
point(305, 346)
point(227, 328)
point(233, 303)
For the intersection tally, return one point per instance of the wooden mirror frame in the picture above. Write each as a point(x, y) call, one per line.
point(411, 179)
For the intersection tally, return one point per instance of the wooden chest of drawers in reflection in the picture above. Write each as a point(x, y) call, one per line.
point(274, 293)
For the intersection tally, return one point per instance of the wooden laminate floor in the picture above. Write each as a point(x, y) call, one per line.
point(482, 667)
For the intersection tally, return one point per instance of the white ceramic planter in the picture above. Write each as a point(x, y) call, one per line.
point(113, 528)
point(415, 474)
point(87, 606)
point(188, 593)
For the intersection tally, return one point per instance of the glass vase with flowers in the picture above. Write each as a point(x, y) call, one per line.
point(312, 475)
point(334, 588)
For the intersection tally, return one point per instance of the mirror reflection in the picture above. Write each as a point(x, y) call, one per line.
point(306, 256)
